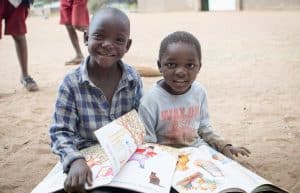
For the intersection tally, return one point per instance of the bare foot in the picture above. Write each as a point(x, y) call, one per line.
point(74, 61)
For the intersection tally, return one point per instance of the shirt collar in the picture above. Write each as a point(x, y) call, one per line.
point(84, 76)
point(127, 78)
point(15, 3)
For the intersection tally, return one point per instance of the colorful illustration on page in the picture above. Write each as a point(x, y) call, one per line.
point(197, 181)
point(182, 162)
point(105, 171)
point(154, 179)
point(97, 161)
point(102, 170)
point(96, 153)
point(142, 154)
point(133, 124)
point(210, 167)
point(218, 156)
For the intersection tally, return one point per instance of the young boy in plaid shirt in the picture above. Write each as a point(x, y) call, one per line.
point(100, 90)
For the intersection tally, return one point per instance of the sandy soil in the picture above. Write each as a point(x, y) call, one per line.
point(251, 69)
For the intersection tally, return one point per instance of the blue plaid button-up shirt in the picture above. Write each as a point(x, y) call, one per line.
point(81, 108)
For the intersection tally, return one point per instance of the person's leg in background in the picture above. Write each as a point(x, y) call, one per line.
point(22, 53)
point(16, 27)
point(74, 15)
point(75, 42)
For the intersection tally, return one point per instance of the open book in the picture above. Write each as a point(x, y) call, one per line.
point(124, 161)
point(205, 170)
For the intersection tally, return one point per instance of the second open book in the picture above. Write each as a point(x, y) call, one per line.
point(124, 161)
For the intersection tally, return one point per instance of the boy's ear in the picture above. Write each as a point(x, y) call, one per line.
point(128, 44)
point(200, 67)
point(159, 66)
point(85, 37)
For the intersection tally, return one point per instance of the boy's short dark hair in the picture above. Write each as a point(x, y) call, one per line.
point(116, 12)
point(180, 36)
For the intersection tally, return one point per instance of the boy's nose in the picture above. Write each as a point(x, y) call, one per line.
point(106, 44)
point(180, 72)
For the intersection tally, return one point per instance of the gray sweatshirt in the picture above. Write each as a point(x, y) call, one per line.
point(178, 120)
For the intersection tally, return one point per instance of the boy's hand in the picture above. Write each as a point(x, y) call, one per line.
point(230, 150)
point(79, 173)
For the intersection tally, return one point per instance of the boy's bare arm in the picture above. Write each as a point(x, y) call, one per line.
point(214, 140)
point(221, 144)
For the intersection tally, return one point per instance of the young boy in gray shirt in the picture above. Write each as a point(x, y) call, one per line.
point(175, 110)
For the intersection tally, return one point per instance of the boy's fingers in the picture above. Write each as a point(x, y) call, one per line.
point(89, 178)
point(244, 153)
point(77, 186)
point(228, 154)
point(236, 153)
point(81, 181)
point(81, 190)
point(247, 153)
point(246, 150)
point(74, 182)
point(67, 184)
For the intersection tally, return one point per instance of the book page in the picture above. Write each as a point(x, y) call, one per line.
point(206, 170)
point(120, 138)
point(150, 169)
point(138, 167)
point(53, 181)
point(96, 160)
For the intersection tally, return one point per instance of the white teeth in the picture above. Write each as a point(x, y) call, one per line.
point(180, 81)
point(111, 55)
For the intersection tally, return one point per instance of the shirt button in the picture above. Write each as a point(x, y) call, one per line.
point(112, 117)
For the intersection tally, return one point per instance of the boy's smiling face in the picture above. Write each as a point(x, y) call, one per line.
point(179, 65)
point(107, 39)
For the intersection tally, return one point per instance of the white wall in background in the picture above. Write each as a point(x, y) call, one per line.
point(222, 5)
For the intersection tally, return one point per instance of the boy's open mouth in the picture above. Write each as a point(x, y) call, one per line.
point(180, 81)
point(107, 54)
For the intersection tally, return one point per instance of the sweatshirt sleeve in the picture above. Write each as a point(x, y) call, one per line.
point(149, 120)
point(206, 132)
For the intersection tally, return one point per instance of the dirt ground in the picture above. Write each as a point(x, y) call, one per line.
point(251, 70)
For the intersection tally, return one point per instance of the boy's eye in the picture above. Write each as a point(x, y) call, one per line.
point(98, 36)
point(171, 65)
point(190, 66)
point(120, 40)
